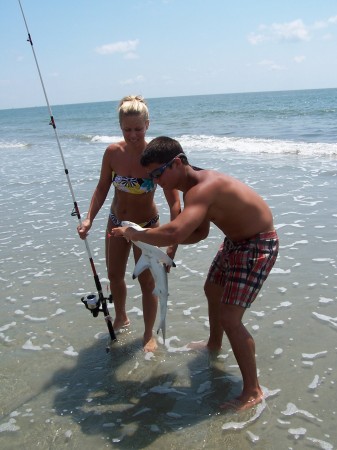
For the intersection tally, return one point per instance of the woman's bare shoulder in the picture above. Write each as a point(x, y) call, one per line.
point(114, 150)
point(116, 147)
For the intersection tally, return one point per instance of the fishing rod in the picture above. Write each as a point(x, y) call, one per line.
point(91, 302)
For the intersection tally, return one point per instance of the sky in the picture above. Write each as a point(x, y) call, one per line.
point(101, 50)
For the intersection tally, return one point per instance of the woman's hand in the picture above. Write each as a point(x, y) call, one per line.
point(84, 228)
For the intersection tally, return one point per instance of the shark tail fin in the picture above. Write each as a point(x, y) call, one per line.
point(142, 264)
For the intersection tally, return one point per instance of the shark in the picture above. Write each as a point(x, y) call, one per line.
point(155, 259)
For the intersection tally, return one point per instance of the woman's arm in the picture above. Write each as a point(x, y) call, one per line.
point(99, 195)
point(173, 200)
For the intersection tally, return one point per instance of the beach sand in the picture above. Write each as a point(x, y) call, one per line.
point(59, 387)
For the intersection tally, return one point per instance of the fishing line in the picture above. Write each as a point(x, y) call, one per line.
point(91, 302)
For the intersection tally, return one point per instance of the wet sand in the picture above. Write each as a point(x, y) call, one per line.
point(60, 389)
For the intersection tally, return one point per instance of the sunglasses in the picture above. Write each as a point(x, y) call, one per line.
point(156, 173)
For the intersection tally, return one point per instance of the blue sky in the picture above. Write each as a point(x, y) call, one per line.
point(104, 49)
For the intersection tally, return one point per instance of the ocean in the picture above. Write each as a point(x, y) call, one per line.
point(60, 389)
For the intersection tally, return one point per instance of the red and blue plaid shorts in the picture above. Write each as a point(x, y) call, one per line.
point(243, 266)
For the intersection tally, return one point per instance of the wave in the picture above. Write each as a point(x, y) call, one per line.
point(95, 138)
point(238, 144)
point(202, 142)
point(13, 144)
point(252, 145)
point(105, 139)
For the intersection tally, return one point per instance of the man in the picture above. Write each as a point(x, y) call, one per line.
point(243, 261)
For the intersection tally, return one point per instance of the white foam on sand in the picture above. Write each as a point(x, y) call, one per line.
point(135, 310)
point(9, 426)
point(58, 312)
point(324, 318)
point(252, 437)
point(310, 242)
point(315, 382)
point(28, 345)
point(258, 411)
point(285, 304)
point(314, 355)
point(171, 349)
point(8, 326)
point(36, 319)
point(278, 351)
point(277, 270)
point(165, 388)
point(297, 432)
point(323, 260)
point(70, 351)
point(258, 313)
point(292, 410)
point(325, 300)
point(320, 444)
point(188, 312)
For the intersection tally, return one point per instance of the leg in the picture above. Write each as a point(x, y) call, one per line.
point(116, 253)
point(243, 347)
point(214, 293)
point(150, 303)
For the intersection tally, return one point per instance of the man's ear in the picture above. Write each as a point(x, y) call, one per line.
point(178, 161)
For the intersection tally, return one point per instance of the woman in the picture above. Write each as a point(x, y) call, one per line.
point(134, 201)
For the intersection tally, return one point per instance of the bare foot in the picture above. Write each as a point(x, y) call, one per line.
point(150, 345)
point(119, 325)
point(242, 404)
point(203, 345)
point(197, 345)
point(213, 347)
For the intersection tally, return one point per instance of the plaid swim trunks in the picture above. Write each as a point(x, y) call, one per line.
point(243, 266)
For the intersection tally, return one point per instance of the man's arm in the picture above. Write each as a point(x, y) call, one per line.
point(191, 222)
point(173, 200)
point(201, 232)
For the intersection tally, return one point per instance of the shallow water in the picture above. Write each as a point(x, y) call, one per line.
point(59, 387)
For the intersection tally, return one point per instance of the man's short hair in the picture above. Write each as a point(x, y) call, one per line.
point(161, 150)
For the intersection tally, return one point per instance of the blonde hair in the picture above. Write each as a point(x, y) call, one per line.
point(132, 105)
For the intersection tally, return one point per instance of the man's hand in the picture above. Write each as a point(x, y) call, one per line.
point(171, 251)
point(126, 232)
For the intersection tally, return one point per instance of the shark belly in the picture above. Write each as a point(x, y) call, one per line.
point(154, 259)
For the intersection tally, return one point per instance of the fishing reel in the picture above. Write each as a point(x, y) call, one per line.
point(93, 303)
point(96, 305)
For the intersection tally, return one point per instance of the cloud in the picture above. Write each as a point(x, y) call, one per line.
point(294, 31)
point(290, 31)
point(332, 19)
point(131, 55)
point(299, 59)
point(327, 37)
point(126, 47)
point(135, 80)
point(271, 65)
point(255, 39)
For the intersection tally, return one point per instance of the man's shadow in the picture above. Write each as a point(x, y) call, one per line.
point(132, 399)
